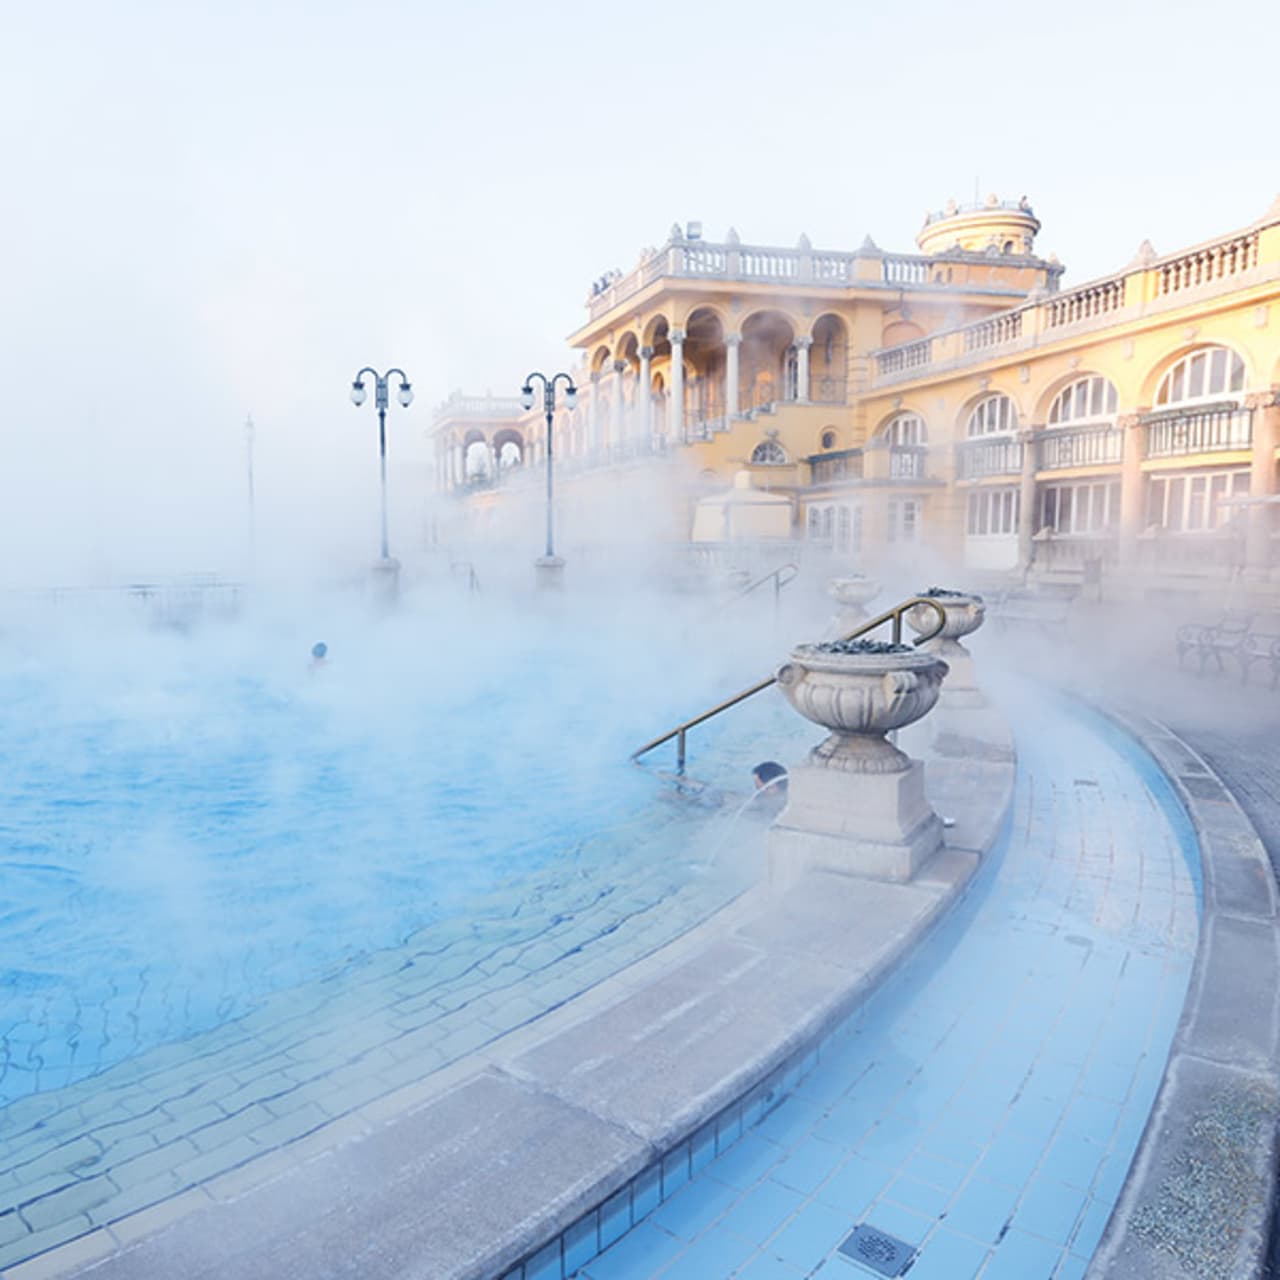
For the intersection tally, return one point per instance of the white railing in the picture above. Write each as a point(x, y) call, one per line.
point(902, 269)
point(1085, 303)
point(994, 332)
point(907, 462)
point(463, 406)
point(979, 458)
point(1214, 262)
point(1079, 447)
point(1210, 430)
point(911, 355)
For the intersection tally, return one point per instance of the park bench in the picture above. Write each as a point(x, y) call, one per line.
point(1261, 646)
point(1212, 640)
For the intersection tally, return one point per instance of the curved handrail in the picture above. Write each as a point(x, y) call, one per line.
point(894, 615)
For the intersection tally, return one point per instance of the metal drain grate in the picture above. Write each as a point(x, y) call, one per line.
point(882, 1253)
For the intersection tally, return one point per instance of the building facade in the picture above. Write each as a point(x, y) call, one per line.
point(955, 400)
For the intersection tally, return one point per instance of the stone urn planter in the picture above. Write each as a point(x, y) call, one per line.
point(861, 690)
point(852, 594)
point(965, 724)
point(856, 805)
point(965, 613)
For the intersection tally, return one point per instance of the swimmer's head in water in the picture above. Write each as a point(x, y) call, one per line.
point(769, 773)
point(319, 650)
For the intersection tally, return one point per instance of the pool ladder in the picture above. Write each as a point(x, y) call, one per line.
point(894, 615)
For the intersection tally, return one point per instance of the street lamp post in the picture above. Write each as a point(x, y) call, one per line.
point(549, 565)
point(405, 396)
point(253, 522)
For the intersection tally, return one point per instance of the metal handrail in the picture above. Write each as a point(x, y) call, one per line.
point(893, 615)
point(791, 569)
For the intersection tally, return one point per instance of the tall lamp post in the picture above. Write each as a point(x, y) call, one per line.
point(405, 396)
point(549, 565)
point(253, 523)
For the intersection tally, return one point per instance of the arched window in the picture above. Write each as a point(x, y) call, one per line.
point(1084, 400)
point(992, 416)
point(769, 453)
point(905, 430)
point(1212, 373)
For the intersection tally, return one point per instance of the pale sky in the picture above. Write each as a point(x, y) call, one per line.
point(222, 208)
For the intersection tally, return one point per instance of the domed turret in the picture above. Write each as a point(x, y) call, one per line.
point(1004, 227)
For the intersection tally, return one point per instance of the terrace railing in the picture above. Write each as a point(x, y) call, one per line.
point(981, 458)
point(1213, 429)
point(1059, 448)
point(894, 616)
point(831, 468)
point(907, 461)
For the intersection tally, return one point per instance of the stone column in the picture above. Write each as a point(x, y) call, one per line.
point(1131, 494)
point(595, 413)
point(493, 460)
point(802, 346)
point(1027, 498)
point(731, 344)
point(675, 416)
point(644, 393)
point(619, 402)
point(1262, 473)
point(458, 465)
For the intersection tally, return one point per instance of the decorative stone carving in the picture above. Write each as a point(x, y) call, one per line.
point(851, 594)
point(860, 695)
point(857, 806)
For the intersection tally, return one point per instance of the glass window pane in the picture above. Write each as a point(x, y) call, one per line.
point(1218, 373)
point(1195, 380)
point(1174, 503)
point(1237, 373)
point(1176, 395)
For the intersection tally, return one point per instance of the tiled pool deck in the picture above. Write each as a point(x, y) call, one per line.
point(985, 1105)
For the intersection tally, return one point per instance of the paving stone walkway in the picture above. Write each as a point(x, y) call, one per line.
point(985, 1105)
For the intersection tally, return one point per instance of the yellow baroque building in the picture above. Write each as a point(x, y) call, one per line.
point(954, 403)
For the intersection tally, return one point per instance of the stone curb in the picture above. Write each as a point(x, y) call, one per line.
point(726, 1018)
point(1198, 1198)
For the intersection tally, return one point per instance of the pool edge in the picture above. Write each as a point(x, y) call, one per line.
point(1221, 1075)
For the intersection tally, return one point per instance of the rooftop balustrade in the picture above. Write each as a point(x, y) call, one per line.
point(868, 267)
point(1234, 262)
point(459, 405)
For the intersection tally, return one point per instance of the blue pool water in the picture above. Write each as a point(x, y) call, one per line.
point(985, 1105)
point(191, 824)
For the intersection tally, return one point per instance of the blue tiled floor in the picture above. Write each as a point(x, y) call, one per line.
point(985, 1105)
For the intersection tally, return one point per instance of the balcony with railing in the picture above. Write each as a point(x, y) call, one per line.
point(836, 467)
point(907, 461)
point(1058, 448)
point(683, 257)
point(1211, 429)
point(982, 458)
point(488, 408)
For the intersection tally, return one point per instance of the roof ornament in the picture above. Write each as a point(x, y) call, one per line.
point(804, 243)
point(1145, 256)
point(676, 234)
point(733, 237)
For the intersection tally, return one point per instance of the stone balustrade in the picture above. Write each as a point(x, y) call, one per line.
point(868, 267)
point(1001, 456)
point(1148, 285)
